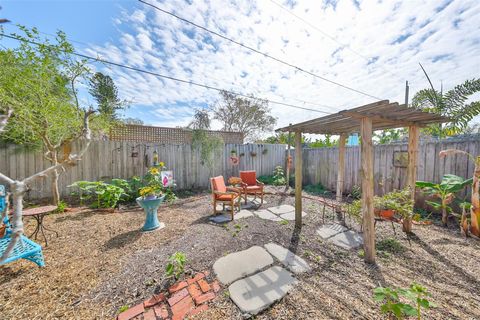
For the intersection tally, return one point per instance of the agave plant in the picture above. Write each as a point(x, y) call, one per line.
point(444, 191)
point(452, 104)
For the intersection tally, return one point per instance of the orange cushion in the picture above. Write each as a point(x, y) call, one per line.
point(254, 188)
point(218, 184)
point(225, 197)
point(249, 177)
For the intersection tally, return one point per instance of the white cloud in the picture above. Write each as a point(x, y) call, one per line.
point(396, 35)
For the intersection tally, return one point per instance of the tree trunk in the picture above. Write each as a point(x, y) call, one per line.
point(55, 191)
point(444, 215)
point(475, 209)
point(407, 225)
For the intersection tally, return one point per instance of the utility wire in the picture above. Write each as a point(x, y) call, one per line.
point(283, 97)
point(327, 35)
point(168, 77)
point(259, 52)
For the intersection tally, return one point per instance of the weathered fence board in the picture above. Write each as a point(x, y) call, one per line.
point(113, 159)
point(321, 164)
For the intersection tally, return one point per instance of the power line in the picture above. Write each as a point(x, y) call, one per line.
point(327, 35)
point(259, 52)
point(283, 97)
point(168, 77)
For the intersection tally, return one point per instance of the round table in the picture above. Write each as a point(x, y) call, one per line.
point(38, 213)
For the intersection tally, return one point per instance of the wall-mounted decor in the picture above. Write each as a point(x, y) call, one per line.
point(400, 159)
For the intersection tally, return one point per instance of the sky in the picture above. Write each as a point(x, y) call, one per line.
point(370, 46)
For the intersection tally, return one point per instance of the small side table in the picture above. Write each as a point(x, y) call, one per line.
point(38, 214)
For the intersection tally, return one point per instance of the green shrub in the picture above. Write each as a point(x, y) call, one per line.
point(316, 189)
point(62, 205)
point(176, 265)
point(98, 194)
point(394, 306)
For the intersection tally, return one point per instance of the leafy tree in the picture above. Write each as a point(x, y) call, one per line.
point(389, 135)
point(282, 138)
point(103, 89)
point(201, 120)
point(250, 116)
point(324, 143)
point(38, 86)
point(452, 104)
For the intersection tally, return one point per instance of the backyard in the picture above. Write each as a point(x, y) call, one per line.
point(102, 261)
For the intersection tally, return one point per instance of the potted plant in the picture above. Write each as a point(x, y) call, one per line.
point(384, 208)
point(151, 196)
point(401, 202)
point(233, 153)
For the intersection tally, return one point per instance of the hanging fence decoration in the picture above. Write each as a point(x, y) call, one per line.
point(234, 160)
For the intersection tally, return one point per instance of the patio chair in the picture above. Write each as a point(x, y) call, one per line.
point(223, 194)
point(251, 185)
point(25, 248)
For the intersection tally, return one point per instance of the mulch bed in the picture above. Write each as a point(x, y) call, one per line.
point(101, 262)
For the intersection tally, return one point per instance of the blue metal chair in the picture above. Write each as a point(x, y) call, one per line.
point(25, 248)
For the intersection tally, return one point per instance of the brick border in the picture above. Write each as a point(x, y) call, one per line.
point(183, 299)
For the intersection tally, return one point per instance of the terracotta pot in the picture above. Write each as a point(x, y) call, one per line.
point(387, 213)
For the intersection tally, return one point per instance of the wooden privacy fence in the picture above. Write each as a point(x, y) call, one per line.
point(120, 159)
point(390, 170)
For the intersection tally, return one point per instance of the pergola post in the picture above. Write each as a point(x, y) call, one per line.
point(341, 167)
point(298, 179)
point(367, 189)
point(413, 137)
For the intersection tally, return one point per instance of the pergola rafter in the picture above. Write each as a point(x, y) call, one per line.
point(364, 120)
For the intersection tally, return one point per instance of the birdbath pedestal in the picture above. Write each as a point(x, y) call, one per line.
point(150, 207)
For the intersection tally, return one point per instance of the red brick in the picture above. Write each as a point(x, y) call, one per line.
point(161, 311)
point(182, 308)
point(204, 285)
point(177, 296)
point(216, 286)
point(132, 312)
point(149, 315)
point(204, 298)
point(155, 299)
point(197, 277)
point(198, 309)
point(178, 286)
point(194, 290)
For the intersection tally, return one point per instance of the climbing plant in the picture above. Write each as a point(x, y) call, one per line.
point(208, 145)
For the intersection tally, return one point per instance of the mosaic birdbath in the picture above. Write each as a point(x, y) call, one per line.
point(150, 206)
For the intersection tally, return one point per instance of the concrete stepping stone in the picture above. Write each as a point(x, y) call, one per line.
point(242, 214)
point(281, 209)
point(286, 257)
point(347, 240)
point(223, 218)
point(267, 215)
point(291, 215)
point(256, 293)
point(330, 230)
point(242, 263)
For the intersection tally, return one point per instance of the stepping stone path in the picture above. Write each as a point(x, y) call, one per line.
point(242, 263)
point(252, 289)
point(286, 257)
point(183, 299)
point(340, 236)
point(278, 213)
point(223, 218)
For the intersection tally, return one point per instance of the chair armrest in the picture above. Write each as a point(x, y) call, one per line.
point(224, 193)
point(260, 183)
point(233, 189)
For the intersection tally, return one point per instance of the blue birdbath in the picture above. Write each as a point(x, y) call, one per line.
point(151, 207)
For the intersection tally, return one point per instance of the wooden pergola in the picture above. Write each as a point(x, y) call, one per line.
point(364, 120)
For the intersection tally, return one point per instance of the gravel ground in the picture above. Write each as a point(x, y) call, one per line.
point(101, 261)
